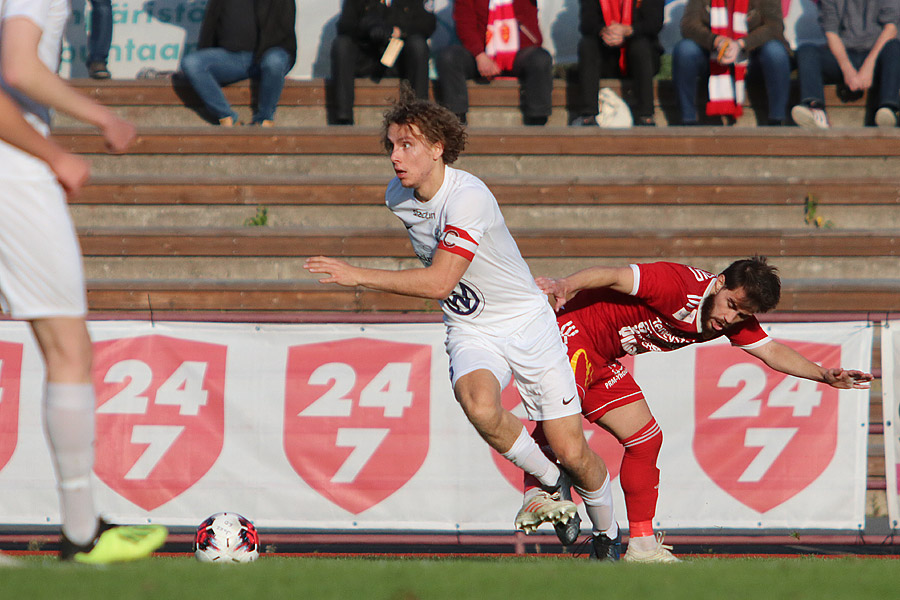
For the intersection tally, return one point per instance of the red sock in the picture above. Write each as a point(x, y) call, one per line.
point(639, 477)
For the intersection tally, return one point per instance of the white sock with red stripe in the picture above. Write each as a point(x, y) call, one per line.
point(526, 455)
point(599, 507)
point(69, 425)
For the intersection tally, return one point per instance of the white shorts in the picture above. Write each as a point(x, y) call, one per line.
point(41, 274)
point(534, 356)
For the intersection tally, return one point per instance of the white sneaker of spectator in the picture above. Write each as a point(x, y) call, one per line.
point(808, 117)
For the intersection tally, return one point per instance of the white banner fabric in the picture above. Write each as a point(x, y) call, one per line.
point(890, 382)
point(349, 427)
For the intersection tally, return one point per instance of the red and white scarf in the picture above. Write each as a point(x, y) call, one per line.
point(726, 82)
point(618, 11)
point(502, 42)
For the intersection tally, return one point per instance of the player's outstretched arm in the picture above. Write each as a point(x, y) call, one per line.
point(563, 289)
point(72, 171)
point(435, 281)
point(24, 71)
point(787, 360)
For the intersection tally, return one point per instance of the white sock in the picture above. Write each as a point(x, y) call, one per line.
point(69, 426)
point(599, 507)
point(644, 542)
point(526, 455)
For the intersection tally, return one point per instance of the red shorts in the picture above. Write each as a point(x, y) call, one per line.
point(602, 385)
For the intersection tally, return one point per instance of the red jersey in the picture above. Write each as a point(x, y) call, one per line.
point(661, 313)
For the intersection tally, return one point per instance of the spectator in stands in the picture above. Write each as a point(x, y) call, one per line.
point(750, 32)
point(619, 38)
point(862, 49)
point(497, 37)
point(100, 38)
point(366, 47)
point(241, 39)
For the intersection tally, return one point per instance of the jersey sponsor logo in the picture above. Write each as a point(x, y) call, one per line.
point(10, 378)
point(600, 441)
point(760, 435)
point(356, 424)
point(422, 214)
point(651, 336)
point(465, 301)
point(160, 415)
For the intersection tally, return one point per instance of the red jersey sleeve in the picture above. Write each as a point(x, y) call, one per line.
point(748, 334)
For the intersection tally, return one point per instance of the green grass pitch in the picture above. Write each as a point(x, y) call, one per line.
point(501, 578)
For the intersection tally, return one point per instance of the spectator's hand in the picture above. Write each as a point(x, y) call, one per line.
point(396, 32)
point(72, 172)
point(487, 68)
point(119, 134)
point(864, 76)
point(614, 34)
point(851, 79)
point(727, 50)
point(380, 33)
point(337, 271)
point(846, 380)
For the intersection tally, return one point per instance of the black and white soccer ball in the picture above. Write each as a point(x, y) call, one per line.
point(226, 537)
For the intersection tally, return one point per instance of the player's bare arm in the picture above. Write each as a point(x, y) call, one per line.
point(435, 281)
point(787, 360)
point(71, 171)
point(562, 290)
point(24, 71)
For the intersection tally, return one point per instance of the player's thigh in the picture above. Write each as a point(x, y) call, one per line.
point(41, 273)
point(542, 372)
point(611, 387)
point(474, 361)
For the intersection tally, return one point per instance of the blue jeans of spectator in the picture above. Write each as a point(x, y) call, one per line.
point(209, 69)
point(533, 66)
point(101, 31)
point(816, 66)
point(690, 62)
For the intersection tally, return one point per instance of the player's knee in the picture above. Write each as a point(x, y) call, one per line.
point(69, 359)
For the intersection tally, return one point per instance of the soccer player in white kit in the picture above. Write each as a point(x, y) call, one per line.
point(499, 323)
point(41, 275)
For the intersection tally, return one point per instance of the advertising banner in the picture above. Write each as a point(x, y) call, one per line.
point(890, 382)
point(349, 427)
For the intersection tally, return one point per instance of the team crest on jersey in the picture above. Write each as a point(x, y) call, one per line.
point(465, 301)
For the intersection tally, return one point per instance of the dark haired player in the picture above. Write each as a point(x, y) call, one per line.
point(498, 322)
point(605, 313)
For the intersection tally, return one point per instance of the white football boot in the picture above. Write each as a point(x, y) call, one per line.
point(660, 553)
point(544, 507)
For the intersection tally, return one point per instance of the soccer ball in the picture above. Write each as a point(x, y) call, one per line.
point(226, 537)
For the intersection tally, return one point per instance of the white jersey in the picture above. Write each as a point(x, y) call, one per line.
point(50, 16)
point(497, 294)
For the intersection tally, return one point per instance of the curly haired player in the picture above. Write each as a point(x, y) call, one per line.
point(498, 322)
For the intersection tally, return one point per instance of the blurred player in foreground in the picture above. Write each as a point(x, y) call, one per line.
point(605, 313)
point(40, 263)
point(498, 322)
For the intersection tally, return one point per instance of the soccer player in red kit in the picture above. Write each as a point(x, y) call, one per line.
point(604, 313)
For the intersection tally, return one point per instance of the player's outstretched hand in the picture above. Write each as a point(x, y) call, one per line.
point(556, 289)
point(338, 271)
point(72, 172)
point(848, 379)
point(119, 134)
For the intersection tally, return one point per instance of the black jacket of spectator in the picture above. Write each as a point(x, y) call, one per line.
point(646, 17)
point(370, 22)
point(275, 19)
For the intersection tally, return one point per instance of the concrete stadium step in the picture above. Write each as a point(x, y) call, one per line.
point(171, 102)
point(255, 299)
point(662, 152)
point(528, 202)
point(278, 253)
